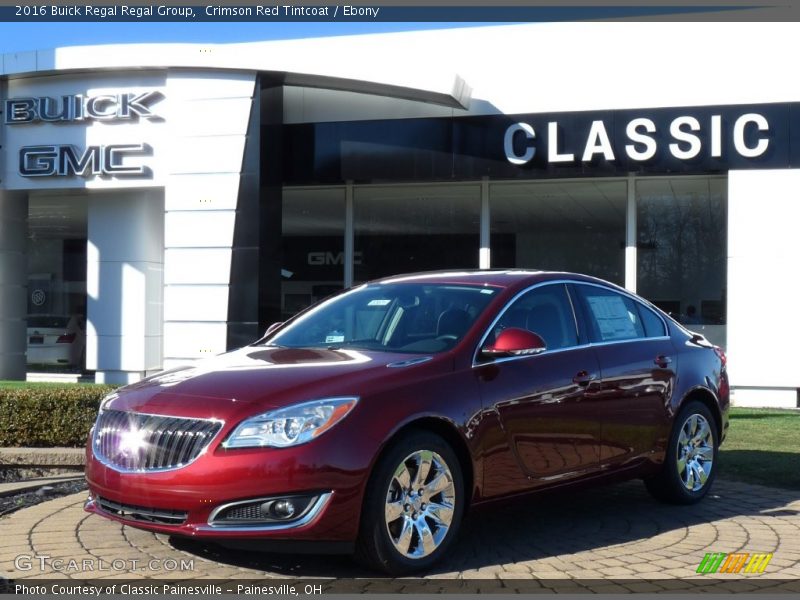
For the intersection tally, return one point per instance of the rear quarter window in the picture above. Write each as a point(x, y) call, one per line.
point(653, 325)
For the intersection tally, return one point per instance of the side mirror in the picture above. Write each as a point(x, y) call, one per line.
point(272, 328)
point(515, 342)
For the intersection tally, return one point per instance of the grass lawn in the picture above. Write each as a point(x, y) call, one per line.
point(763, 446)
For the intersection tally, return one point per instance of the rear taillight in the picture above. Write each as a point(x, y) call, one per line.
point(67, 338)
point(721, 353)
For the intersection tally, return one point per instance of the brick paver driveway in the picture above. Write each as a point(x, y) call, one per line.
point(609, 539)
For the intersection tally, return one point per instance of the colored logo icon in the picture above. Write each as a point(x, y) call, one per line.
point(736, 562)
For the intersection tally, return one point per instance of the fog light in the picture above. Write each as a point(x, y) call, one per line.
point(263, 511)
point(283, 509)
point(280, 509)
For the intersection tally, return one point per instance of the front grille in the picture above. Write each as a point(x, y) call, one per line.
point(141, 442)
point(141, 513)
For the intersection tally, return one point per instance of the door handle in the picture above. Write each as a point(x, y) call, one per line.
point(584, 378)
point(663, 361)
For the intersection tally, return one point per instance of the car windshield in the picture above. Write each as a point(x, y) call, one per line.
point(390, 317)
point(45, 321)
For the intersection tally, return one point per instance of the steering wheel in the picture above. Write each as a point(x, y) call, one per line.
point(447, 337)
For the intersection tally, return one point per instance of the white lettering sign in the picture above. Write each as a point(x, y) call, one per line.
point(70, 108)
point(684, 139)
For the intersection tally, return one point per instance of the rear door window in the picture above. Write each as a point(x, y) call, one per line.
point(613, 317)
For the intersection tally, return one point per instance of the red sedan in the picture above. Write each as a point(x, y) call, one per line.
point(372, 421)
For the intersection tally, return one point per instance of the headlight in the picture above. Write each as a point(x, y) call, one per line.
point(292, 425)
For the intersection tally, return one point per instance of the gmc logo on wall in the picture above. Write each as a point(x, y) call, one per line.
point(318, 259)
point(67, 160)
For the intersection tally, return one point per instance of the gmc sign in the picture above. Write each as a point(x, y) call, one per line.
point(66, 160)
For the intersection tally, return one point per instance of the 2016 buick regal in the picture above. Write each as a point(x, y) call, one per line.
point(372, 421)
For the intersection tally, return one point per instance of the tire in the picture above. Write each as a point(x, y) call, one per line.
point(694, 435)
point(403, 532)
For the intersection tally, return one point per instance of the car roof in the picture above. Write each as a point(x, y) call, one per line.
point(502, 278)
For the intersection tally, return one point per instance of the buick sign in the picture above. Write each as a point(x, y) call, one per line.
point(76, 108)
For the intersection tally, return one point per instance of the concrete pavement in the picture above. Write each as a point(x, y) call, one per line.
point(610, 539)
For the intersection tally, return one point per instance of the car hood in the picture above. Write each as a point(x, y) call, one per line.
point(255, 377)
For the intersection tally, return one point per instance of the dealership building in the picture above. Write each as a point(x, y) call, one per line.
point(177, 199)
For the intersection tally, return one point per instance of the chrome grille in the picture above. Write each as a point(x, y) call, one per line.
point(142, 442)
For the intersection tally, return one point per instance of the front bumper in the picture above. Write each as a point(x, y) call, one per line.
point(142, 517)
point(221, 477)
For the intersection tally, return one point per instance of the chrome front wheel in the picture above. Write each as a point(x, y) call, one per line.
point(420, 504)
point(413, 505)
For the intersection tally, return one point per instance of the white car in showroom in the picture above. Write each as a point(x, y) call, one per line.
point(56, 340)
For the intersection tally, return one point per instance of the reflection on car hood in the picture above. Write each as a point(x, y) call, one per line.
point(269, 377)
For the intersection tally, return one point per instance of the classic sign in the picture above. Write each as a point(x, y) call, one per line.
point(684, 142)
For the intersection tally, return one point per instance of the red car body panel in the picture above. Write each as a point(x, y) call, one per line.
point(589, 412)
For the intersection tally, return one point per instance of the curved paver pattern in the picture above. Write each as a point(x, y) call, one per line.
point(606, 535)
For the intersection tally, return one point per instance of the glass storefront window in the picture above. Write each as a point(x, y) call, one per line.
point(682, 225)
point(560, 226)
point(56, 323)
point(415, 228)
point(313, 246)
point(580, 226)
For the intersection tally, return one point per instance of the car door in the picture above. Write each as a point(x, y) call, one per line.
point(637, 373)
point(549, 435)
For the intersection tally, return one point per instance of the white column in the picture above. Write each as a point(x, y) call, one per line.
point(484, 254)
point(13, 284)
point(208, 119)
point(630, 237)
point(763, 287)
point(349, 236)
point(124, 283)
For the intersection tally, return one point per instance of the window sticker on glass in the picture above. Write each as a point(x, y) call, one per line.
point(379, 302)
point(334, 337)
point(612, 317)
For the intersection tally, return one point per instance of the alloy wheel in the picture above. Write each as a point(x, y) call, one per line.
point(695, 452)
point(420, 504)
